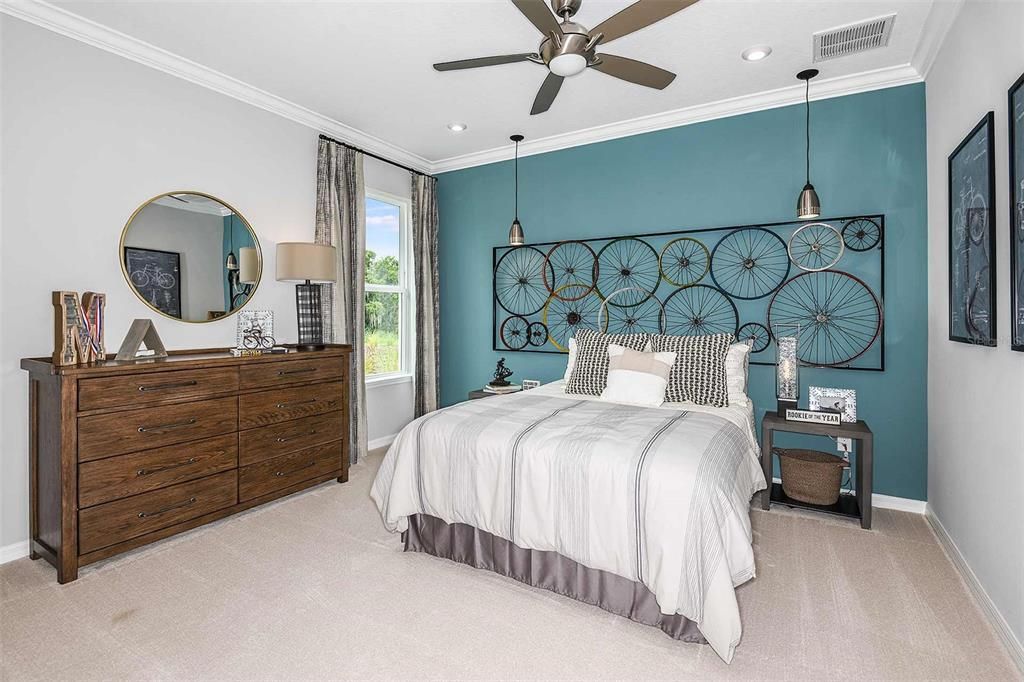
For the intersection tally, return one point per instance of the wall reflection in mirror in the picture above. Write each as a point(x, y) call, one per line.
point(191, 256)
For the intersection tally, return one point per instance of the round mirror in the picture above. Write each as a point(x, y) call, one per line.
point(190, 256)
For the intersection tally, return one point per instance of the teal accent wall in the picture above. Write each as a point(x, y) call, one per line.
point(868, 156)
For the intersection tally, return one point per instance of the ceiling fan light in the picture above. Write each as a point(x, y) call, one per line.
point(515, 234)
point(566, 65)
point(808, 206)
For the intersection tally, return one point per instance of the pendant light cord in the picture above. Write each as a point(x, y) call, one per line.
point(517, 182)
point(807, 106)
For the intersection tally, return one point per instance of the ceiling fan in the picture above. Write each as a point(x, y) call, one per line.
point(569, 49)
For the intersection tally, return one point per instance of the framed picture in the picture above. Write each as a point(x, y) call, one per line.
point(972, 238)
point(844, 400)
point(254, 319)
point(156, 276)
point(1016, 137)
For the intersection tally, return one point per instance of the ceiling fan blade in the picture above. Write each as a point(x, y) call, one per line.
point(483, 61)
point(633, 71)
point(637, 16)
point(539, 15)
point(547, 93)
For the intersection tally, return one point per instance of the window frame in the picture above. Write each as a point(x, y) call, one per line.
point(404, 289)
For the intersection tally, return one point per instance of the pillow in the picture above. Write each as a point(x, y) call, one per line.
point(737, 364)
point(637, 378)
point(698, 375)
point(590, 373)
point(572, 359)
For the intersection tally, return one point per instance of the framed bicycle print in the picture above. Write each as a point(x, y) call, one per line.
point(1016, 137)
point(156, 276)
point(972, 238)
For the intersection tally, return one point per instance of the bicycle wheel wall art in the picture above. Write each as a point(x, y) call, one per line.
point(156, 276)
point(972, 239)
point(826, 276)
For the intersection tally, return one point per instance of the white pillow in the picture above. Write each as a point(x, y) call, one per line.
point(572, 359)
point(737, 363)
point(637, 378)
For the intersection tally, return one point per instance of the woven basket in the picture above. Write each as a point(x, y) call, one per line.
point(811, 476)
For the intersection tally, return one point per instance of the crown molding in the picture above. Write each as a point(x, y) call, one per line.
point(936, 27)
point(771, 99)
point(73, 26)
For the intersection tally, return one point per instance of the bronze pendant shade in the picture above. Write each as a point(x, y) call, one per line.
point(515, 233)
point(808, 206)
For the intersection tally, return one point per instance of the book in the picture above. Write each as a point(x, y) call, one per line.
point(511, 388)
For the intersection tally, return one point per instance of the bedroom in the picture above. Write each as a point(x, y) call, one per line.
point(274, 125)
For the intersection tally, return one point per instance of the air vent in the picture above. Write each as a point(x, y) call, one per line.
point(847, 40)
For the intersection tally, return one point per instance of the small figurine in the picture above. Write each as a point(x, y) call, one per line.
point(501, 374)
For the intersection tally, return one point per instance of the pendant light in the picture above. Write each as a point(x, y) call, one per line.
point(231, 263)
point(808, 205)
point(515, 233)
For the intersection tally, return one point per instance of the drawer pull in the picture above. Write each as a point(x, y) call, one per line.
point(295, 471)
point(167, 427)
point(282, 406)
point(286, 372)
point(311, 432)
point(187, 503)
point(164, 387)
point(147, 472)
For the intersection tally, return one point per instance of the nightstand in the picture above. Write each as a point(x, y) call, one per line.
point(856, 505)
point(480, 393)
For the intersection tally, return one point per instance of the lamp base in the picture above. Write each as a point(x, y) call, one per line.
point(309, 346)
point(784, 405)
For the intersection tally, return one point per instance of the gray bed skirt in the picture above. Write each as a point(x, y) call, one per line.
point(548, 570)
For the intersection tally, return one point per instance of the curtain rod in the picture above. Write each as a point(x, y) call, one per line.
point(376, 156)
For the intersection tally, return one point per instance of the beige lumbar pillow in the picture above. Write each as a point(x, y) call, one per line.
point(636, 377)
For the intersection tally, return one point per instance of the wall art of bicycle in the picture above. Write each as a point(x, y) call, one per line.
point(826, 276)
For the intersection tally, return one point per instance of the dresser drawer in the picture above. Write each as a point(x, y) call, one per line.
point(131, 390)
point(108, 524)
point(106, 435)
point(283, 404)
point(287, 470)
point(256, 445)
point(269, 374)
point(112, 478)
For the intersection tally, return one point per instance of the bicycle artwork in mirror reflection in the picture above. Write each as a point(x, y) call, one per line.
point(826, 276)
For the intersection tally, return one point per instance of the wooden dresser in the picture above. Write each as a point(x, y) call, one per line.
point(123, 454)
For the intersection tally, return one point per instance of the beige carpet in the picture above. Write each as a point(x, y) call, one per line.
point(313, 587)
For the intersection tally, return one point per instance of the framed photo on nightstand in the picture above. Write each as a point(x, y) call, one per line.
point(843, 400)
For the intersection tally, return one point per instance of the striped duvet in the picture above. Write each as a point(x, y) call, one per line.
point(655, 495)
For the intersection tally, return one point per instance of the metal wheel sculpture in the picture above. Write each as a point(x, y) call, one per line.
point(646, 317)
point(757, 334)
point(978, 306)
point(564, 314)
point(861, 234)
point(514, 332)
point(838, 315)
point(519, 281)
point(537, 333)
point(749, 263)
point(816, 246)
point(684, 261)
point(699, 310)
point(570, 263)
point(628, 263)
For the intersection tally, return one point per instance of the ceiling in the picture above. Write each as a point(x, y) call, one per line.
point(367, 64)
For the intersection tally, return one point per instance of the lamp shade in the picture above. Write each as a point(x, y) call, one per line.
point(248, 265)
point(301, 261)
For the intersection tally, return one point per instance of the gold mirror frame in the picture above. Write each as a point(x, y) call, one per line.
point(124, 267)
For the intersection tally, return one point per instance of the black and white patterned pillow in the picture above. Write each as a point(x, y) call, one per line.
point(698, 374)
point(590, 373)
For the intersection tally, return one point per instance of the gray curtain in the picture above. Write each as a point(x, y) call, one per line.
point(428, 319)
point(341, 222)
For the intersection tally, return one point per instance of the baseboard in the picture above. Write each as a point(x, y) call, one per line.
point(1002, 628)
point(15, 550)
point(879, 501)
point(381, 442)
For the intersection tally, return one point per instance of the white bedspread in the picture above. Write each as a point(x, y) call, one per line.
point(655, 495)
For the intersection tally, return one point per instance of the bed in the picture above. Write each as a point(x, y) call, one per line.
point(642, 511)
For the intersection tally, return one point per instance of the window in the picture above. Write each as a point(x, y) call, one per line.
point(387, 322)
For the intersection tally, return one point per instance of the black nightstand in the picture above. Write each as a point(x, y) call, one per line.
point(856, 505)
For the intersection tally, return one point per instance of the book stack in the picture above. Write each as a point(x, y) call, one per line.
point(511, 388)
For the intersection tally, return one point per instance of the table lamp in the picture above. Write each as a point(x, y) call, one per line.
point(309, 265)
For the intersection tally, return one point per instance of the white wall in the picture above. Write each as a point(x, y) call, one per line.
point(976, 394)
point(86, 138)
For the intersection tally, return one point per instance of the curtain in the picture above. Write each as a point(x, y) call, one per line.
point(341, 222)
point(428, 332)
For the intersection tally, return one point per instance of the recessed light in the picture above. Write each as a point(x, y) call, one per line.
point(457, 127)
point(756, 53)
